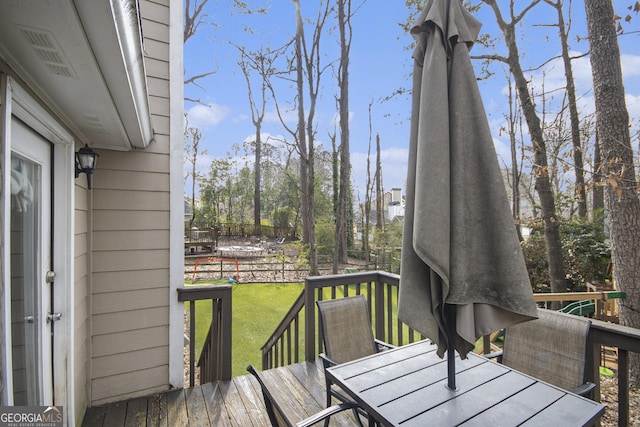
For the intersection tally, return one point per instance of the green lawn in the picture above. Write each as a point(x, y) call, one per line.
point(257, 311)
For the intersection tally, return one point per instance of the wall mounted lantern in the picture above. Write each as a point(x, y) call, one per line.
point(86, 160)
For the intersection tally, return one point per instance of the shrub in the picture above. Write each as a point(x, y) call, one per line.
point(585, 249)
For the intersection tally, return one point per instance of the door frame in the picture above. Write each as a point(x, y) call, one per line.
point(16, 101)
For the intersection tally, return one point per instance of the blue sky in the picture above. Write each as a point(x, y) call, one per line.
point(380, 64)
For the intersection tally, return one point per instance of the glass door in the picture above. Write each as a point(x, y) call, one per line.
point(30, 260)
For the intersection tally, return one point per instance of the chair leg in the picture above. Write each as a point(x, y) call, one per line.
point(328, 389)
point(356, 414)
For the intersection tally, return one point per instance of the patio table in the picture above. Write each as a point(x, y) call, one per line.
point(407, 386)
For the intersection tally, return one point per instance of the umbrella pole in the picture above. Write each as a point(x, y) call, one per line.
point(451, 366)
point(450, 315)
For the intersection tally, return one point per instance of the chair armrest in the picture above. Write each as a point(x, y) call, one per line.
point(327, 362)
point(382, 346)
point(495, 355)
point(585, 389)
point(326, 413)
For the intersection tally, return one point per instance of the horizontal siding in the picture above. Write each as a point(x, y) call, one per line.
point(128, 341)
point(80, 243)
point(130, 240)
point(155, 11)
point(130, 243)
point(158, 2)
point(130, 220)
point(117, 302)
point(79, 303)
point(131, 261)
point(157, 50)
point(130, 180)
point(114, 281)
point(155, 30)
point(129, 385)
point(158, 87)
point(133, 201)
point(137, 161)
point(80, 225)
point(134, 361)
point(159, 105)
point(80, 270)
point(157, 68)
point(129, 320)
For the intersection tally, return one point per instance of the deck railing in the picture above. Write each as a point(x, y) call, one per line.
point(215, 358)
point(298, 336)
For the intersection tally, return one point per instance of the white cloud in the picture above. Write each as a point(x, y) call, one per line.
point(630, 65)
point(394, 170)
point(290, 116)
point(207, 116)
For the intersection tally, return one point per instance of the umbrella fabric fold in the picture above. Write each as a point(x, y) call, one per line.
point(460, 248)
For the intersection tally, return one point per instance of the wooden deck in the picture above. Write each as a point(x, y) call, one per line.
point(224, 403)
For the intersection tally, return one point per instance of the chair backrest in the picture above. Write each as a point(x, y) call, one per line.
point(274, 410)
point(346, 328)
point(552, 348)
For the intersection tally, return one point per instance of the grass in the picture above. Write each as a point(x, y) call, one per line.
point(257, 311)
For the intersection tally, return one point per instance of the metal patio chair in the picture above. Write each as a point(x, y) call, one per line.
point(279, 417)
point(552, 348)
point(346, 331)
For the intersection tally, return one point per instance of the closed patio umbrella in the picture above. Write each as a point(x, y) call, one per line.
point(462, 273)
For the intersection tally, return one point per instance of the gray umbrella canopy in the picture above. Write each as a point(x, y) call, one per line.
point(460, 252)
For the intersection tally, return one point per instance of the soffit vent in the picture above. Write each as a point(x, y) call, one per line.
point(95, 123)
point(47, 50)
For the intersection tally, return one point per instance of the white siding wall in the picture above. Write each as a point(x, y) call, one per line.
point(130, 221)
point(82, 264)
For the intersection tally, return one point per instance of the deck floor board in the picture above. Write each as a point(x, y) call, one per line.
point(232, 403)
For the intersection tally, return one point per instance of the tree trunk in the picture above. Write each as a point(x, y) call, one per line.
point(301, 132)
point(379, 189)
point(540, 170)
point(597, 204)
point(345, 161)
point(515, 169)
point(336, 203)
point(257, 180)
point(578, 166)
point(612, 121)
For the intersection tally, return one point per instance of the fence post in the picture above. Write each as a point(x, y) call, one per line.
point(309, 322)
point(379, 306)
point(226, 339)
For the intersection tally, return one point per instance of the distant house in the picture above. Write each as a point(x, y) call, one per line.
point(89, 276)
point(393, 204)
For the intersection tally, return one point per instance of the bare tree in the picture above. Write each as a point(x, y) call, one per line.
point(513, 120)
point(309, 70)
point(192, 151)
point(261, 62)
point(194, 18)
point(368, 190)
point(540, 168)
point(612, 121)
point(335, 180)
point(379, 188)
point(344, 26)
point(573, 110)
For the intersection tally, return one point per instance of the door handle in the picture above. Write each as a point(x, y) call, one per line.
point(29, 319)
point(50, 276)
point(52, 317)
